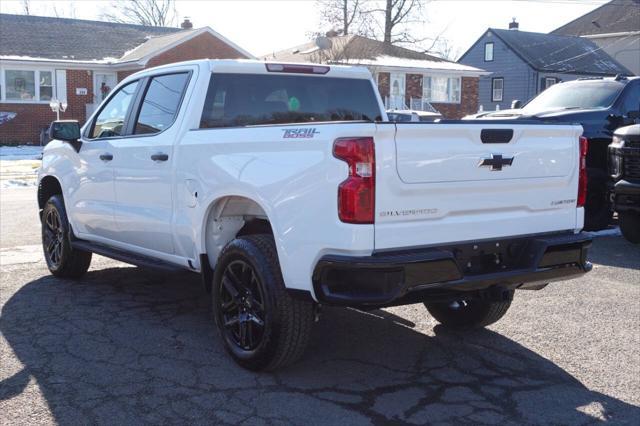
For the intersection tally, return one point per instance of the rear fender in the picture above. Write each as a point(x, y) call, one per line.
point(223, 219)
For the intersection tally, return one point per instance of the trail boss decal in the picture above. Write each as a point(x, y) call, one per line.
point(303, 133)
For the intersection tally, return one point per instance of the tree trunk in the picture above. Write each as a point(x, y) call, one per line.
point(345, 17)
point(388, 25)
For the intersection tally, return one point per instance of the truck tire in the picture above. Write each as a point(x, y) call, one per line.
point(469, 314)
point(630, 226)
point(598, 209)
point(261, 325)
point(62, 260)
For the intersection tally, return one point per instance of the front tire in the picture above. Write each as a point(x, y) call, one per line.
point(262, 326)
point(630, 226)
point(468, 314)
point(62, 260)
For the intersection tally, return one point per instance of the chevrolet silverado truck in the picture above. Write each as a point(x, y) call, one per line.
point(624, 165)
point(286, 188)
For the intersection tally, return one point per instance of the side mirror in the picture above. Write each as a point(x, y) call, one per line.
point(516, 104)
point(67, 131)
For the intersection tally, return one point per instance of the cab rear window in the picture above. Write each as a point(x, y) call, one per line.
point(248, 99)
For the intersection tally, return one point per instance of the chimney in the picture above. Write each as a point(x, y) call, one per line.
point(513, 25)
point(186, 24)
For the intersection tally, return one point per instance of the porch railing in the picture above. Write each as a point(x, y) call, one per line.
point(415, 104)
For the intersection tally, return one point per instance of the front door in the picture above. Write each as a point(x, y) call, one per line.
point(91, 200)
point(93, 194)
point(396, 89)
point(103, 84)
point(143, 166)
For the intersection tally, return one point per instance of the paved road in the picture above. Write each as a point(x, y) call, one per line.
point(124, 346)
point(18, 217)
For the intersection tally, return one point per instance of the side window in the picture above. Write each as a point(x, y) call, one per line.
point(110, 121)
point(488, 52)
point(497, 89)
point(632, 99)
point(161, 103)
point(548, 82)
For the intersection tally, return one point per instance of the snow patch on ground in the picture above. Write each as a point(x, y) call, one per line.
point(19, 166)
point(21, 152)
point(18, 183)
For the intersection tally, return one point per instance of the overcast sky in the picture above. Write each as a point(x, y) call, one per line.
point(264, 26)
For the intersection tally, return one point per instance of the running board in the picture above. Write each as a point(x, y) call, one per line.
point(127, 257)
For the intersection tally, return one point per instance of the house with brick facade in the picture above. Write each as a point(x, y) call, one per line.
point(79, 62)
point(406, 79)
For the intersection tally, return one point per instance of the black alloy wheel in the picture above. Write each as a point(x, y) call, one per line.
point(53, 236)
point(261, 325)
point(242, 306)
point(62, 259)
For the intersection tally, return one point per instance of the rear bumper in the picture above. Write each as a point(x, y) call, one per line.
point(626, 196)
point(389, 278)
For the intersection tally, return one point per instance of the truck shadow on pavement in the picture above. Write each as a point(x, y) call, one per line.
point(123, 346)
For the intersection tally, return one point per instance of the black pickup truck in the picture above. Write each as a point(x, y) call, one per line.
point(624, 165)
point(600, 105)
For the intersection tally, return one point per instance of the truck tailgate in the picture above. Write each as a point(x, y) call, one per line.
point(445, 182)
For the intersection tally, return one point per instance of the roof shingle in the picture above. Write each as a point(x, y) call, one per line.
point(617, 16)
point(350, 47)
point(562, 54)
point(71, 39)
point(358, 50)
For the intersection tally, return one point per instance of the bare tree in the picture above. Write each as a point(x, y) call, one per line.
point(26, 7)
point(399, 16)
point(391, 21)
point(153, 13)
point(69, 11)
point(443, 48)
point(440, 46)
point(340, 15)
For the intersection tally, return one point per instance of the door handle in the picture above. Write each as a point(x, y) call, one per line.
point(106, 156)
point(160, 157)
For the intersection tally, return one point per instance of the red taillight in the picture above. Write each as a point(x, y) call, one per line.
point(357, 194)
point(582, 181)
point(298, 68)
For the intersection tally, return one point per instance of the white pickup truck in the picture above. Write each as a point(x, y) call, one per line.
point(286, 188)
